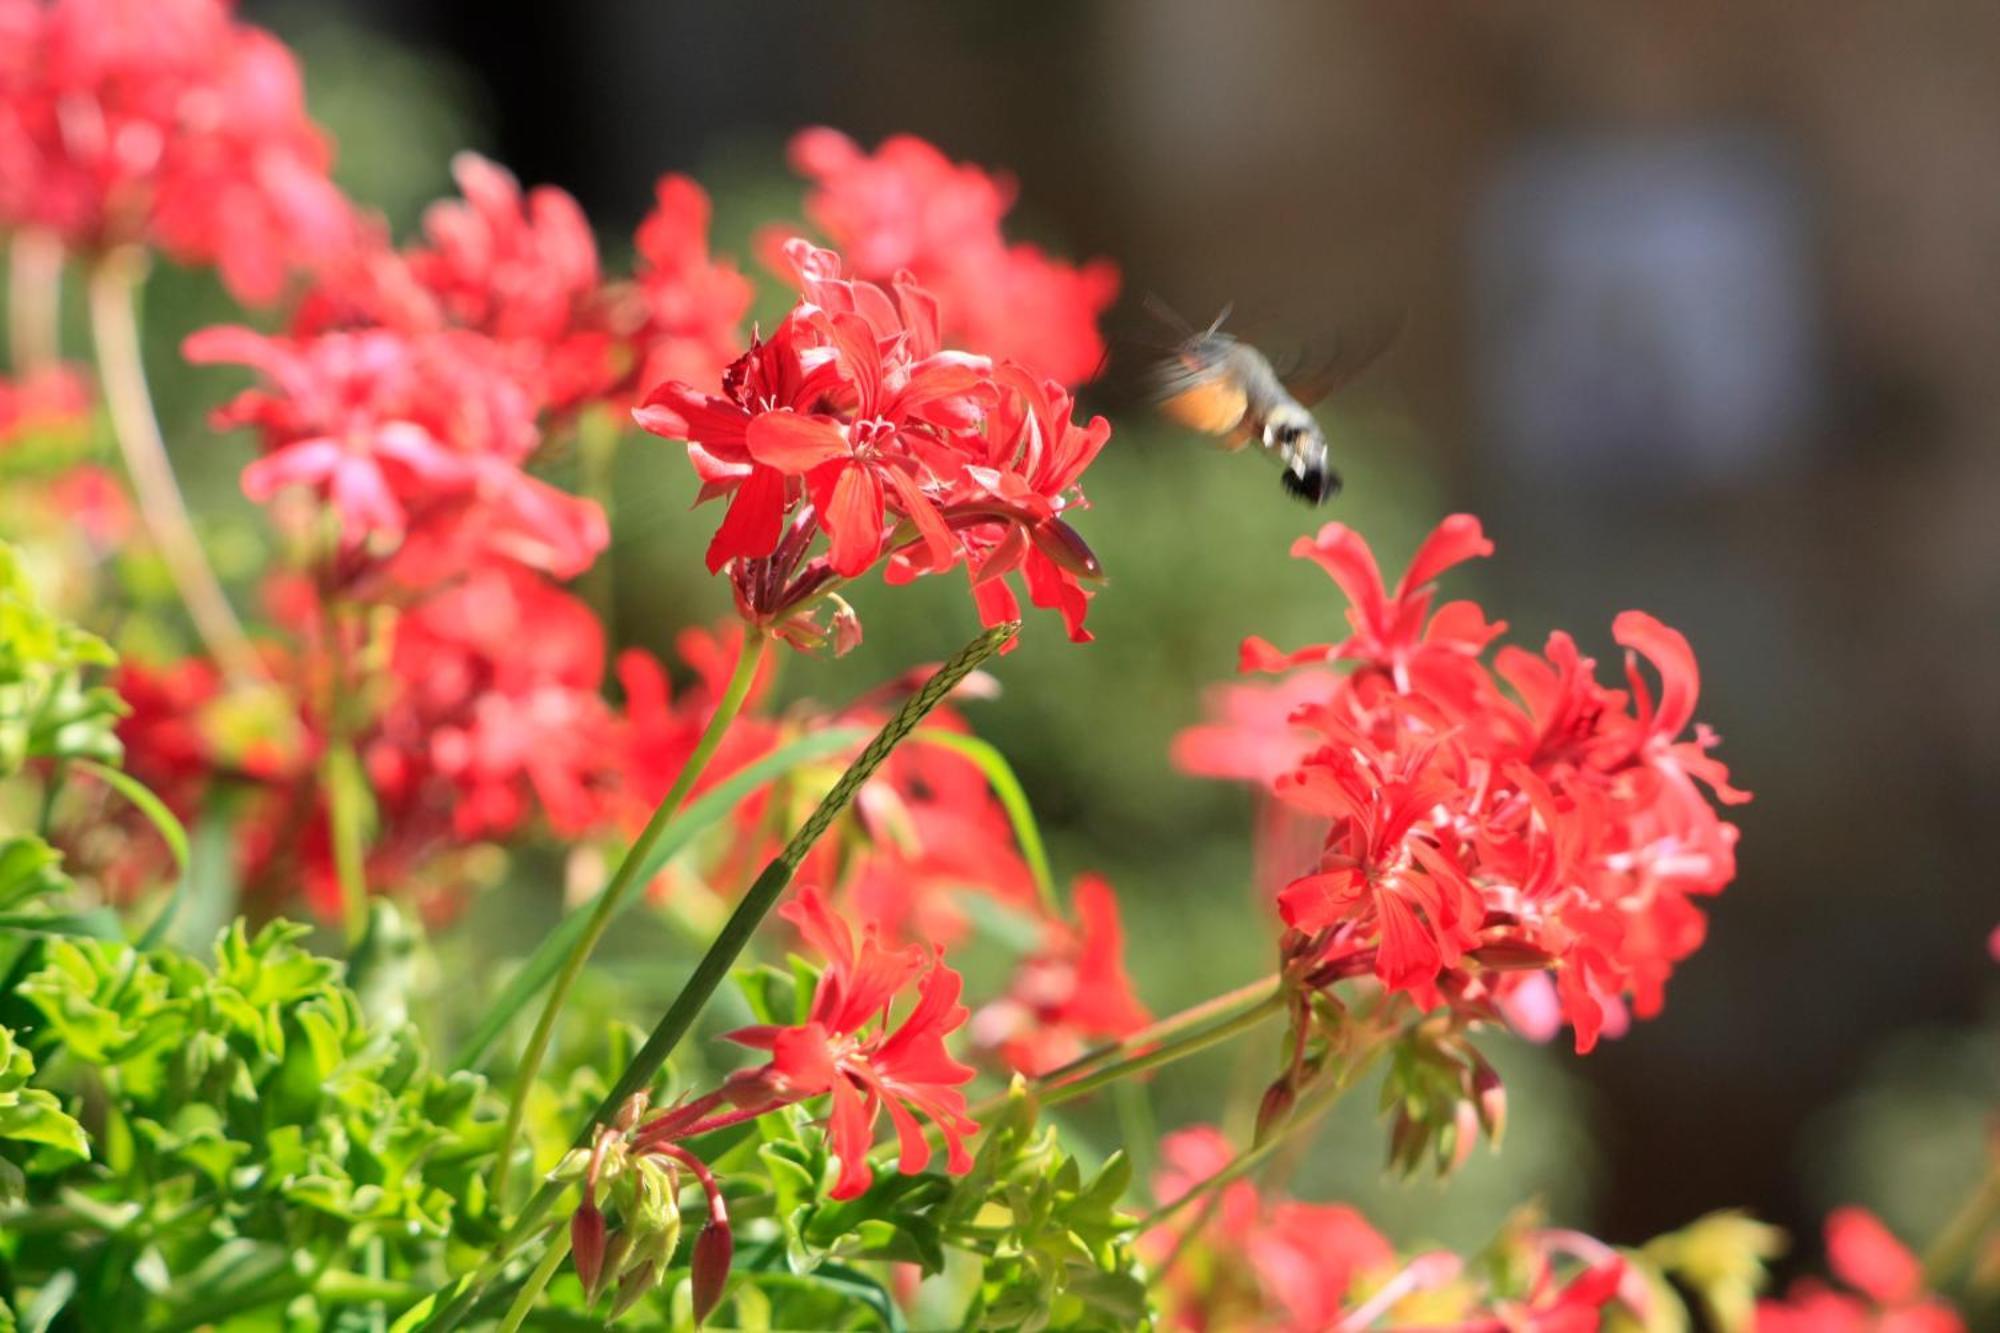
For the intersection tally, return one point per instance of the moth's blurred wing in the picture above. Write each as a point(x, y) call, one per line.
point(1356, 349)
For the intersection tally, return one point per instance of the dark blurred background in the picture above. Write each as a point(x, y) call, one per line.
point(1703, 309)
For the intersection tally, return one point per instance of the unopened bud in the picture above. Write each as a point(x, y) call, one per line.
point(1275, 1109)
point(586, 1247)
point(713, 1249)
point(1464, 1134)
point(1406, 1143)
point(1490, 1096)
point(632, 1288)
point(632, 1110)
point(1511, 956)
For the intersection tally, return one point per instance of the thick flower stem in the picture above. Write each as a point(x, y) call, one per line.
point(722, 954)
point(114, 288)
point(755, 648)
point(34, 300)
point(1947, 1251)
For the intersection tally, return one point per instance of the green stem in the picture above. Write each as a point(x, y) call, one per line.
point(1163, 1054)
point(1000, 776)
point(748, 660)
point(1317, 1102)
point(1944, 1255)
point(114, 288)
point(342, 781)
point(538, 1281)
point(1257, 992)
point(721, 955)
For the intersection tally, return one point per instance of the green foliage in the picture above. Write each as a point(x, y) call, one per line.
point(47, 709)
point(252, 1140)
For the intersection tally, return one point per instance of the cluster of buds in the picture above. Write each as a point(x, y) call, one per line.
point(635, 1165)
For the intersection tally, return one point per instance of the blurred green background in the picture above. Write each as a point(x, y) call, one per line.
point(1701, 315)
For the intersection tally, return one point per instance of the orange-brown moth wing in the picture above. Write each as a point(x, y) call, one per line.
point(1205, 399)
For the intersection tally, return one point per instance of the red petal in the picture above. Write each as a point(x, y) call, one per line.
point(793, 442)
point(851, 513)
point(1452, 542)
point(1863, 1254)
point(755, 521)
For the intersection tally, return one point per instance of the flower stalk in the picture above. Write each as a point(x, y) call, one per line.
point(115, 282)
point(722, 953)
point(623, 880)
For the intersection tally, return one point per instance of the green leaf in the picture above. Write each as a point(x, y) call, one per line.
point(142, 799)
point(547, 959)
point(1006, 784)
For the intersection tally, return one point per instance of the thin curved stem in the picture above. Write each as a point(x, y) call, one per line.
point(1260, 991)
point(1163, 1054)
point(115, 281)
point(1318, 1101)
point(34, 300)
point(722, 954)
point(748, 660)
point(538, 1281)
point(1947, 1251)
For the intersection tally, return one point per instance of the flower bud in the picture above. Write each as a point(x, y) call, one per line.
point(713, 1249)
point(1464, 1135)
point(1490, 1096)
point(586, 1247)
point(632, 1288)
point(1275, 1108)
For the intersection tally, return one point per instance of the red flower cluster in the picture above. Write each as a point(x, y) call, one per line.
point(1887, 1282)
point(909, 208)
point(166, 124)
point(1247, 1261)
point(416, 443)
point(849, 1048)
point(1274, 1264)
point(1485, 822)
point(854, 421)
point(1070, 991)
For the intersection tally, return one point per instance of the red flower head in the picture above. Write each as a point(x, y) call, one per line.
point(849, 1048)
point(523, 270)
point(415, 442)
point(1483, 822)
point(909, 208)
point(853, 421)
point(1273, 1264)
point(1887, 1281)
point(495, 710)
point(164, 123)
point(1073, 989)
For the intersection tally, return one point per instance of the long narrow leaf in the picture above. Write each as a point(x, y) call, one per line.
point(999, 775)
point(699, 815)
point(163, 820)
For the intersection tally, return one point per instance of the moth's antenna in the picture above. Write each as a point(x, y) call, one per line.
point(1167, 315)
point(1220, 319)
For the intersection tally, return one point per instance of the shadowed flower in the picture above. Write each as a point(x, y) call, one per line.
point(1071, 990)
point(907, 207)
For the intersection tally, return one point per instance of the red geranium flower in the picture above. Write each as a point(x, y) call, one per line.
point(1074, 988)
point(1887, 1280)
point(1481, 821)
point(164, 123)
point(849, 1048)
point(853, 421)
